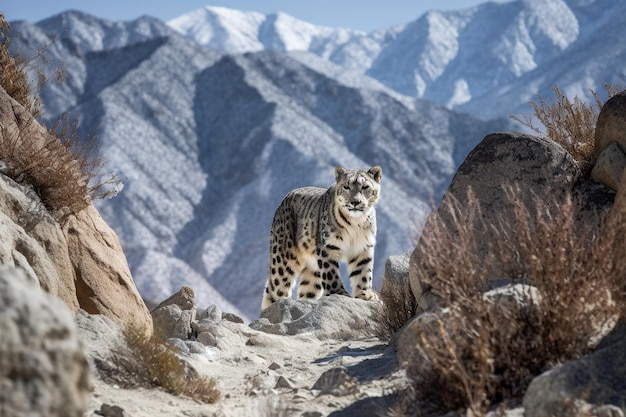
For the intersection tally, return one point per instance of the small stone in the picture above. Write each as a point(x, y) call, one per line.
point(283, 383)
point(337, 382)
point(196, 346)
point(274, 366)
point(107, 410)
point(207, 339)
point(213, 313)
point(179, 345)
point(232, 317)
point(185, 298)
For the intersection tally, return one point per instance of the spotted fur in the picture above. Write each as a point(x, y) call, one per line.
point(314, 229)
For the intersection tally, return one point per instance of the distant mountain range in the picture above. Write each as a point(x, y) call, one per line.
point(488, 60)
point(211, 119)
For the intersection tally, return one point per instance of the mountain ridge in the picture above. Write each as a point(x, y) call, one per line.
point(467, 59)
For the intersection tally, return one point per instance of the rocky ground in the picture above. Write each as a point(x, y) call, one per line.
point(317, 370)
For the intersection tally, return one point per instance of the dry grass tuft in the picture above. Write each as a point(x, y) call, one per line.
point(63, 170)
point(569, 123)
point(13, 78)
point(399, 306)
point(480, 352)
point(65, 173)
point(158, 365)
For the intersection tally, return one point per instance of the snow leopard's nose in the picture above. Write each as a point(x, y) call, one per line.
point(355, 203)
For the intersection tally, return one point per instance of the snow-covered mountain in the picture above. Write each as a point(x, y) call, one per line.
point(208, 143)
point(488, 60)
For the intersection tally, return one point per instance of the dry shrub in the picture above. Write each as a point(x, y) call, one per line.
point(158, 365)
point(569, 123)
point(13, 78)
point(66, 173)
point(475, 351)
point(399, 306)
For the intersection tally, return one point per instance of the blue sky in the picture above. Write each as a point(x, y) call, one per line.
point(364, 15)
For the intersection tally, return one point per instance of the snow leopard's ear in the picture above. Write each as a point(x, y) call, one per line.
point(340, 172)
point(376, 173)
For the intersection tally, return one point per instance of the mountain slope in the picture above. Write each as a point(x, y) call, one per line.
point(488, 60)
point(208, 144)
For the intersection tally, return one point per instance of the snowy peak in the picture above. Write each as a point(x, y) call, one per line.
point(221, 28)
point(235, 31)
point(465, 59)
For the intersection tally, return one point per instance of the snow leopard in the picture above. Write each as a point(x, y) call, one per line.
point(315, 228)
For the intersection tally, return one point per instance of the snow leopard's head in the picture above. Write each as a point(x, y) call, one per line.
point(357, 190)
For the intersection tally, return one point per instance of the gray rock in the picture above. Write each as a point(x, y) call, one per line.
point(232, 317)
point(212, 313)
point(609, 167)
point(174, 316)
point(204, 325)
point(330, 317)
point(207, 339)
point(100, 339)
point(611, 124)
point(597, 379)
point(171, 321)
point(337, 382)
point(107, 410)
point(34, 241)
point(43, 370)
point(396, 270)
point(195, 346)
point(184, 298)
point(539, 167)
point(282, 382)
point(180, 345)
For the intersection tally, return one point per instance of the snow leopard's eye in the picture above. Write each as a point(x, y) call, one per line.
point(365, 187)
point(346, 187)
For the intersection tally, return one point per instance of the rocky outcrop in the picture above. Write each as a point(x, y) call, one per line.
point(80, 261)
point(43, 371)
point(540, 168)
point(330, 317)
point(104, 284)
point(34, 241)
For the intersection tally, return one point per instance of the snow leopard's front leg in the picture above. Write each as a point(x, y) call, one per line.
point(328, 266)
point(360, 270)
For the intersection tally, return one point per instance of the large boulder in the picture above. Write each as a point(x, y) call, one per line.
point(104, 284)
point(539, 168)
point(611, 124)
point(43, 371)
point(610, 142)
